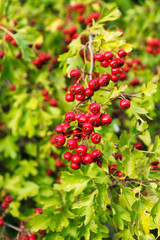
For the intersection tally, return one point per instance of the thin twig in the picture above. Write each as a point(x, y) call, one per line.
point(13, 227)
point(121, 93)
point(141, 181)
point(91, 60)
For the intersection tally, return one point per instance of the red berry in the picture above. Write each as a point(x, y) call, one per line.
point(120, 62)
point(44, 92)
point(12, 87)
point(114, 78)
point(67, 156)
point(42, 231)
point(13, 42)
point(80, 97)
point(139, 146)
point(76, 159)
point(94, 108)
point(53, 102)
point(38, 46)
point(75, 166)
point(75, 74)
point(87, 128)
point(72, 144)
point(81, 150)
point(1, 53)
point(95, 138)
point(93, 85)
point(69, 97)
point(24, 238)
point(108, 55)
point(32, 21)
point(78, 115)
point(113, 168)
point(118, 156)
point(106, 119)
point(80, 19)
point(99, 57)
point(8, 37)
point(38, 210)
point(82, 119)
point(125, 104)
point(79, 89)
point(115, 71)
point(1, 222)
point(104, 63)
point(122, 53)
point(8, 199)
point(126, 68)
point(119, 174)
point(46, 98)
point(59, 128)
point(88, 92)
point(103, 81)
point(113, 63)
point(59, 164)
point(99, 163)
point(5, 205)
point(31, 238)
point(94, 120)
point(72, 90)
point(70, 117)
point(96, 154)
point(49, 172)
point(60, 140)
point(87, 159)
point(134, 82)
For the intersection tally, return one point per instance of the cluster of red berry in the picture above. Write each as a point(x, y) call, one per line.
point(47, 98)
point(5, 205)
point(43, 59)
point(153, 46)
point(10, 39)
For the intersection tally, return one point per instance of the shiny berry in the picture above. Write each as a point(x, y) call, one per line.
point(93, 85)
point(60, 140)
point(114, 78)
point(53, 102)
point(103, 82)
point(95, 138)
point(115, 71)
point(125, 104)
point(44, 92)
point(99, 57)
point(81, 150)
point(79, 89)
point(139, 146)
point(119, 174)
point(80, 97)
point(108, 55)
point(104, 63)
point(8, 199)
point(70, 117)
point(12, 87)
point(75, 74)
point(46, 98)
point(94, 108)
point(96, 154)
point(113, 168)
point(122, 53)
point(67, 156)
point(113, 63)
point(24, 238)
point(118, 156)
point(87, 128)
point(78, 115)
point(1, 222)
point(69, 97)
point(99, 163)
point(72, 144)
point(82, 119)
point(38, 210)
point(76, 158)
point(75, 166)
point(4, 205)
point(42, 231)
point(72, 90)
point(88, 92)
point(106, 119)
point(94, 120)
point(59, 128)
point(87, 159)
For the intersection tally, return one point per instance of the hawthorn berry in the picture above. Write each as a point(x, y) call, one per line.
point(59, 128)
point(82, 119)
point(72, 144)
point(87, 159)
point(53, 102)
point(125, 104)
point(95, 138)
point(108, 55)
point(99, 57)
point(104, 63)
point(118, 156)
point(106, 119)
point(113, 168)
point(31, 238)
point(113, 63)
point(79, 89)
point(24, 238)
point(1, 53)
point(8, 199)
point(88, 92)
point(60, 140)
point(12, 87)
point(87, 128)
point(80, 97)
point(93, 85)
point(122, 53)
point(114, 78)
point(81, 150)
point(67, 156)
point(102, 81)
point(59, 164)
point(139, 146)
point(69, 117)
point(94, 120)
point(75, 166)
point(45, 92)
point(49, 172)
point(99, 163)
point(76, 159)
point(46, 98)
point(38, 210)
point(75, 74)
point(5, 205)
point(1, 222)
point(69, 97)
point(96, 154)
point(119, 174)
point(115, 71)
point(94, 108)
point(42, 231)
point(72, 90)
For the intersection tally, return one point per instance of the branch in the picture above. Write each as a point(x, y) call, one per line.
point(13, 227)
point(111, 230)
point(124, 94)
point(91, 56)
point(140, 181)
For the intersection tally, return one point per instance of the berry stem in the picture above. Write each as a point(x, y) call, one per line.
point(13, 227)
point(91, 60)
point(125, 94)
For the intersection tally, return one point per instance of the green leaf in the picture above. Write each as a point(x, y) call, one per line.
point(28, 189)
point(112, 14)
point(149, 89)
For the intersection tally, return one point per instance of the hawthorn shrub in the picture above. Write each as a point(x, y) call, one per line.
point(79, 120)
